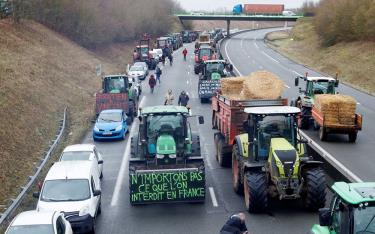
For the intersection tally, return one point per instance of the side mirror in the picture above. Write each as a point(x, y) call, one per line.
point(296, 81)
point(324, 217)
point(36, 195)
point(337, 83)
point(201, 120)
point(100, 162)
point(97, 193)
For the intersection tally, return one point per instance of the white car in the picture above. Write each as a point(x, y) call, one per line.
point(74, 188)
point(45, 222)
point(142, 64)
point(83, 152)
point(159, 53)
point(137, 72)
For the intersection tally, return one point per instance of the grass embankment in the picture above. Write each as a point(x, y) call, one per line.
point(354, 61)
point(41, 72)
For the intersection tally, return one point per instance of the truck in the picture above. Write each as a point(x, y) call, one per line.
point(209, 80)
point(258, 9)
point(117, 93)
point(165, 162)
point(352, 210)
point(205, 52)
point(311, 116)
point(270, 160)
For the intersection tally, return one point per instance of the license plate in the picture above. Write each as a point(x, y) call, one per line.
point(107, 133)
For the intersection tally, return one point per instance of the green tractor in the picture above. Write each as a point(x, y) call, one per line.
point(352, 210)
point(165, 160)
point(314, 86)
point(270, 160)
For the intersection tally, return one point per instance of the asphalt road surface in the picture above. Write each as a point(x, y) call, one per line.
point(118, 216)
point(248, 52)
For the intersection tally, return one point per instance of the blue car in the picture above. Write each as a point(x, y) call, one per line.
point(111, 124)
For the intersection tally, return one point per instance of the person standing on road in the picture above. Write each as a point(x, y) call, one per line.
point(235, 225)
point(184, 52)
point(183, 99)
point(169, 98)
point(170, 57)
point(158, 73)
point(152, 83)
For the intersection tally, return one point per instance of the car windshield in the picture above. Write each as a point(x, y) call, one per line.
point(144, 50)
point(65, 190)
point(204, 52)
point(115, 84)
point(31, 229)
point(75, 156)
point(364, 220)
point(274, 126)
point(106, 117)
point(136, 68)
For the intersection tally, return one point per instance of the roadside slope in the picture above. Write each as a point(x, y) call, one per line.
point(354, 61)
point(41, 72)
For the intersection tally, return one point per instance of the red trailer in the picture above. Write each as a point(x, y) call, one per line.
point(228, 117)
point(263, 9)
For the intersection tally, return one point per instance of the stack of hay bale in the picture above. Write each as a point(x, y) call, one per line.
point(258, 85)
point(337, 109)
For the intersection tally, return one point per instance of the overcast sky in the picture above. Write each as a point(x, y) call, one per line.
point(210, 5)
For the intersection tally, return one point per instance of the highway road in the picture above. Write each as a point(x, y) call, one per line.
point(118, 216)
point(248, 52)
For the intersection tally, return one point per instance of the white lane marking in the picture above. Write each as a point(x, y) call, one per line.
point(124, 164)
point(188, 73)
point(256, 45)
point(270, 57)
point(286, 86)
point(226, 51)
point(187, 82)
point(213, 197)
point(296, 73)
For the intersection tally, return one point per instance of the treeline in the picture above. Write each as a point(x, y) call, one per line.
point(95, 22)
point(345, 20)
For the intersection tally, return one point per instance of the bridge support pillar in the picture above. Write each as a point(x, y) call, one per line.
point(228, 28)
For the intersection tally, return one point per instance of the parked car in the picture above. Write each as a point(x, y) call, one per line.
point(111, 124)
point(83, 152)
point(30, 222)
point(159, 52)
point(73, 188)
point(143, 65)
point(137, 72)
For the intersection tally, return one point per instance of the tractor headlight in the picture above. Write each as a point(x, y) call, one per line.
point(160, 156)
point(172, 156)
point(118, 128)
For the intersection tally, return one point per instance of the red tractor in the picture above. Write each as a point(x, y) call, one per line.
point(204, 53)
point(142, 53)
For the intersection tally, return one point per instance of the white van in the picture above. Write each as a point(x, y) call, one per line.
point(72, 187)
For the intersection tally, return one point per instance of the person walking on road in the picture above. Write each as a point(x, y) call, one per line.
point(183, 99)
point(184, 52)
point(235, 225)
point(152, 83)
point(170, 57)
point(158, 73)
point(169, 98)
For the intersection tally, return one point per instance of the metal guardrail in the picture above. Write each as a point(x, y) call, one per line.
point(344, 171)
point(17, 201)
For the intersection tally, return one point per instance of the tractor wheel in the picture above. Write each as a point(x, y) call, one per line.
point(236, 171)
point(203, 100)
point(322, 133)
point(303, 120)
point(196, 70)
point(223, 160)
point(316, 125)
point(352, 137)
point(255, 190)
point(315, 195)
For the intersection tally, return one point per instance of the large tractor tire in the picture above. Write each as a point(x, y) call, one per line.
point(236, 170)
point(222, 157)
point(315, 190)
point(303, 121)
point(322, 133)
point(352, 137)
point(255, 190)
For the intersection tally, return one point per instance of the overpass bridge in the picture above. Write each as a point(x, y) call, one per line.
point(229, 18)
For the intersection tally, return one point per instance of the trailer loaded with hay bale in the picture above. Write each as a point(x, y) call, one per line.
point(259, 89)
point(336, 114)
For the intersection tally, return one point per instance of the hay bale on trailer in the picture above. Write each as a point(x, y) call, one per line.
point(262, 85)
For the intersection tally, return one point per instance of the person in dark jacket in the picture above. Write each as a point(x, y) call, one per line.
point(235, 225)
point(152, 83)
point(183, 99)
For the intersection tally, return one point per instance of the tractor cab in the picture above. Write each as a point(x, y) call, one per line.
point(166, 133)
point(115, 84)
point(216, 69)
point(352, 210)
